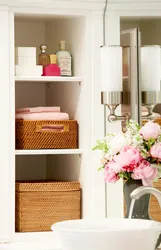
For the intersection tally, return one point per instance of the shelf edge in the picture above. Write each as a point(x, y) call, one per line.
point(49, 152)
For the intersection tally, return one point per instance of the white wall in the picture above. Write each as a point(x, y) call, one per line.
point(29, 33)
point(132, 1)
point(92, 1)
point(150, 29)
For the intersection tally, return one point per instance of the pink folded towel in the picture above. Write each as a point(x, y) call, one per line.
point(38, 110)
point(43, 116)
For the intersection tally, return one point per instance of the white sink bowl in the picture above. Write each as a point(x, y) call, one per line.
point(108, 234)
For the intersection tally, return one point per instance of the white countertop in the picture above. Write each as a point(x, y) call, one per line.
point(28, 246)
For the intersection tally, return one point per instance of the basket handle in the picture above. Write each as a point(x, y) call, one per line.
point(54, 128)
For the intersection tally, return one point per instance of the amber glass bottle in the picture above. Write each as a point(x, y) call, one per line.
point(44, 58)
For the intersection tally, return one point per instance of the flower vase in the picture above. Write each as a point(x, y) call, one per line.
point(141, 206)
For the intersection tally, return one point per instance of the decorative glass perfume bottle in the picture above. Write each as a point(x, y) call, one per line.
point(52, 69)
point(44, 58)
point(64, 60)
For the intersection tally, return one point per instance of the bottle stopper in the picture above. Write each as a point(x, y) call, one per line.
point(43, 48)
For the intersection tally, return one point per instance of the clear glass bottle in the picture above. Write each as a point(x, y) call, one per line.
point(44, 58)
point(64, 60)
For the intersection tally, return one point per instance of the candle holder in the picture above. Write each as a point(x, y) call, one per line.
point(140, 87)
point(149, 100)
point(112, 99)
point(151, 97)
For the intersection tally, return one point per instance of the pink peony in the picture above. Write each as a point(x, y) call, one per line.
point(114, 166)
point(128, 158)
point(110, 176)
point(155, 151)
point(150, 130)
point(145, 173)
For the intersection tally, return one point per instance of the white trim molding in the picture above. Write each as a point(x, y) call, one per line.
point(76, 7)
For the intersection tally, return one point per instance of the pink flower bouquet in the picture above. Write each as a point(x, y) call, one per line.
point(135, 154)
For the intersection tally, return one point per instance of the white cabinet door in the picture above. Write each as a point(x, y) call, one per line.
point(6, 128)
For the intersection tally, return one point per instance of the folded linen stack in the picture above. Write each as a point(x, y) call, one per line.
point(41, 113)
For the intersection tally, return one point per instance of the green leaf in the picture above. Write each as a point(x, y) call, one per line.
point(124, 175)
point(101, 145)
point(101, 168)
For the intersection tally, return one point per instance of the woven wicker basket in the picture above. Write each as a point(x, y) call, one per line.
point(39, 204)
point(46, 134)
point(158, 120)
point(154, 209)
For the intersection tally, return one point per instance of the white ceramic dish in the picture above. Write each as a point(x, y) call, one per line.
point(108, 234)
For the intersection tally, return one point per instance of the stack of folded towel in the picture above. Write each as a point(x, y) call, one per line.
point(41, 113)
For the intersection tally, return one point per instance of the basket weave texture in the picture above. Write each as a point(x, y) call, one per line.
point(154, 209)
point(46, 134)
point(39, 204)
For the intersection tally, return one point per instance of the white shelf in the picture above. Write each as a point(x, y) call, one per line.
point(49, 152)
point(29, 245)
point(48, 79)
point(34, 241)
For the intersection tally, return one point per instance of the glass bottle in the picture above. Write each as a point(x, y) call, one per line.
point(52, 69)
point(44, 58)
point(64, 60)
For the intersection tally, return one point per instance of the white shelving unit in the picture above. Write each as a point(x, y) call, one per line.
point(48, 79)
point(60, 164)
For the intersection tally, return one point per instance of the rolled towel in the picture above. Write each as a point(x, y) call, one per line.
point(43, 116)
point(38, 110)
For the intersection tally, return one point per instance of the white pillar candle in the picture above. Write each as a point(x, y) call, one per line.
point(26, 51)
point(26, 60)
point(111, 68)
point(150, 68)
